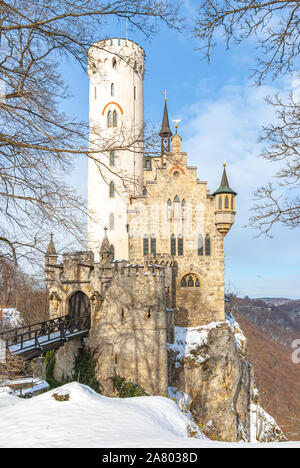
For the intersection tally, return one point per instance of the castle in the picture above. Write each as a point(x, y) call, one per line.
point(155, 256)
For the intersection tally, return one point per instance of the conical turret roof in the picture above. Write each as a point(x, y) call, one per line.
point(105, 246)
point(224, 186)
point(51, 247)
point(165, 128)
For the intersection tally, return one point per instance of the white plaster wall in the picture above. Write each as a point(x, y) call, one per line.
point(127, 174)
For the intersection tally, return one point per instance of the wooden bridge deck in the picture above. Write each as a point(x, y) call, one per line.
point(36, 339)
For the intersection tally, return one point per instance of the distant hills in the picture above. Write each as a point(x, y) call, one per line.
point(270, 325)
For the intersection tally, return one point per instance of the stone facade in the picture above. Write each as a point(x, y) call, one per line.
point(177, 209)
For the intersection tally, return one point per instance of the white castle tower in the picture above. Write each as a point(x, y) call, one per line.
point(116, 72)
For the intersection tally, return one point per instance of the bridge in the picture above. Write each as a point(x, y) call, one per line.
point(35, 340)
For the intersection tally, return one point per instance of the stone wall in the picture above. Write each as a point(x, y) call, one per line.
point(129, 338)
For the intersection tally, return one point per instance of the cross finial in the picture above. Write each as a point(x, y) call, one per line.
point(165, 93)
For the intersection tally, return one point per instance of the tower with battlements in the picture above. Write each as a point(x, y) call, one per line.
point(115, 172)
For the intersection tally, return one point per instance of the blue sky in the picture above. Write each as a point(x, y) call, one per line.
point(221, 113)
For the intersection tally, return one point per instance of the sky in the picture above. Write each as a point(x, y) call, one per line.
point(221, 114)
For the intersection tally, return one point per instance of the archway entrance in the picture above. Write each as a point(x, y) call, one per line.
point(79, 305)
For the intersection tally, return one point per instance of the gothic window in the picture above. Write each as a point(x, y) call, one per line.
point(183, 209)
point(109, 119)
point(112, 251)
point(112, 158)
point(111, 190)
point(153, 244)
point(112, 89)
point(180, 245)
point(114, 63)
point(169, 210)
point(144, 191)
point(226, 202)
point(190, 280)
point(173, 245)
point(114, 118)
point(220, 203)
point(207, 244)
point(111, 221)
point(176, 208)
point(146, 244)
point(200, 245)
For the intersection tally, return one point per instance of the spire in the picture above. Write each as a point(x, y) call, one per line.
point(165, 132)
point(51, 247)
point(106, 252)
point(224, 186)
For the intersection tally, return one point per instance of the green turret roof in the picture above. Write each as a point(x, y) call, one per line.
point(224, 187)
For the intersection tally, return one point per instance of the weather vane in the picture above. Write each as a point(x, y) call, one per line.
point(165, 93)
point(176, 123)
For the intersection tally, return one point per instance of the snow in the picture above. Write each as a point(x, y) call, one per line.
point(240, 339)
point(92, 420)
point(12, 318)
point(188, 340)
point(262, 425)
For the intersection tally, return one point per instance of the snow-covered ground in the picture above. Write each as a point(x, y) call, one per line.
point(11, 318)
point(92, 420)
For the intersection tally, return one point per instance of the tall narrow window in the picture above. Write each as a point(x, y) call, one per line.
point(180, 245)
point(226, 202)
point(169, 210)
point(176, 208)
point(95, 91)
point(220, 202)
point(114, 63)
point(112, 89)
point(109, 119)
point(232, 203)
point(111, 221)
point(144, 191)
point(173, 245)
point(146, 245)
point(207, 244)
point(115, 118)
point(134, 93)
point(183, 209)
point(111, 190)
point(112, 251)
point(153, 244)
point(112, 158)
point(200, 245)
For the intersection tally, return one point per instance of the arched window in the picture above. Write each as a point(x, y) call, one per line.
point(146, 244)
point(112, 251)
point(148, 164)
point(112, 89)
point(115, 118)
point(112, 158)
point(173, 245)
point(153, 244)
point(109, 119)
point(169, 210)
point(180, 245)
point(183, 209)
point(111, 190)
point(190, 280)
point(232, 203)
point(207, 244)
point(111, 221)
point(144, 191)
point(176, 208)
point(200, 245)
point(220, 202)
point(114, 62)
point(226, 202)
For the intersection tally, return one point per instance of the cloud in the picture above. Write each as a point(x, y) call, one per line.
point(226, 128)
